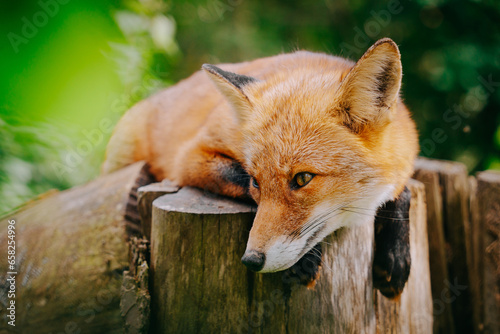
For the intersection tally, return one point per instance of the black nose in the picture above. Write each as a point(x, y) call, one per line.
point(253, 260)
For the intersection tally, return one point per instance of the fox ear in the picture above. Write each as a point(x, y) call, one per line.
point(233, 87)
point(371, 88)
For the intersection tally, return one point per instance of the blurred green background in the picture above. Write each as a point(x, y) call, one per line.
point(71, 68)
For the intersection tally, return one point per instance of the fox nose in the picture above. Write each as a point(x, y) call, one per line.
point(253, 260)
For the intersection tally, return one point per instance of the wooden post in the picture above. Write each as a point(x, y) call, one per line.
point(71, 251)
point(200, 285)
point(486, 252)
point(448, 216)
point(477, 256)
point(145, 197)
point(443, 315)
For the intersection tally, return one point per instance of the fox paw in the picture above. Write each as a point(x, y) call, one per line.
point(306, 270)
point(392, 261)
point(391, 271)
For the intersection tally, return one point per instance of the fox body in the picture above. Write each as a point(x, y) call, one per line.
point(311, 138)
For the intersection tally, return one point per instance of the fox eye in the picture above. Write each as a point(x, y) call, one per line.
point(255, 184)
point(301, 179)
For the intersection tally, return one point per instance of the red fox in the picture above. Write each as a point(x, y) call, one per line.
point(307, 136)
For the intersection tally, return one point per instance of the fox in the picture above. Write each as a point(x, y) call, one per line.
point(318, 142)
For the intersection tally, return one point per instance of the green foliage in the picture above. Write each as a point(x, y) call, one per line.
point(67, 82)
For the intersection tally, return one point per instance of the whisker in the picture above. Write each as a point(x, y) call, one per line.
point(311, 225)
point(326, 243)
point(359, 208)
point(319, 255)
point(376, 216)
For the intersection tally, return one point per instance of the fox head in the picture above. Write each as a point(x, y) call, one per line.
point(324, 144)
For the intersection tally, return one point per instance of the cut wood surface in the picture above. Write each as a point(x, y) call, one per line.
point(70, 255)
point(200, 285)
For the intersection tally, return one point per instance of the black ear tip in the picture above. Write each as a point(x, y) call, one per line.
point(212, 69)
point(237, 80)
point(209, 67)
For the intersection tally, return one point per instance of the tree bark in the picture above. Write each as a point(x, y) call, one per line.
point(71, 251)
point(447, 188)
point(486, 252)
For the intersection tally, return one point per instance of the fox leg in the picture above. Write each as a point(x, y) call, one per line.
point(392, 261)
point(306, 270)
point(213, 172)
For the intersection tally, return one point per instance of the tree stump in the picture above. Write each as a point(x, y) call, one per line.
point(71, 251)
point(200, 286)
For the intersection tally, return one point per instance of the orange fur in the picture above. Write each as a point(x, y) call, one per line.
point(306, 112)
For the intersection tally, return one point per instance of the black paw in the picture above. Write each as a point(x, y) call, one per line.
point(391, 271)
point(392, 261)
point(306, 270)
